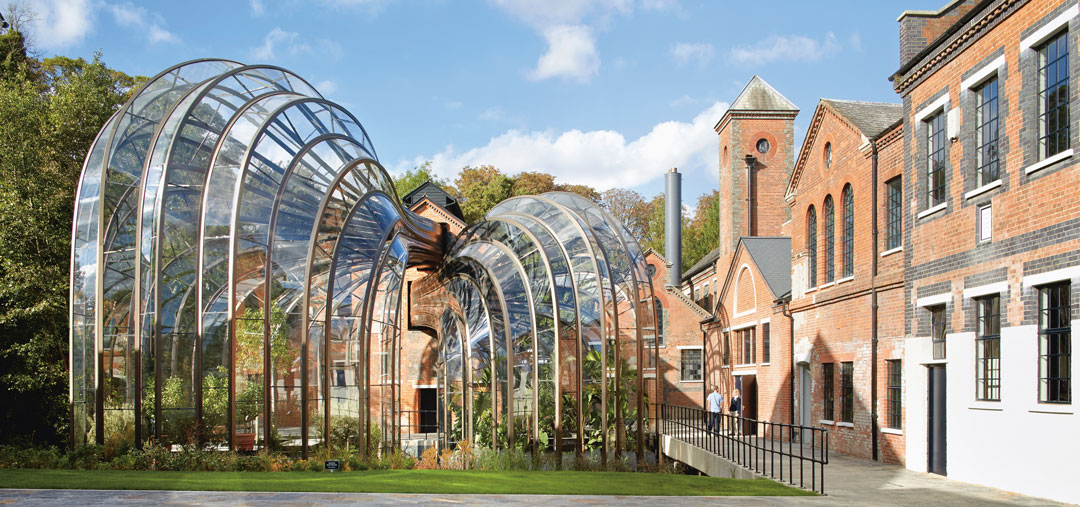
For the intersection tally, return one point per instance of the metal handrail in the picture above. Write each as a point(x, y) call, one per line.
point(764, 447)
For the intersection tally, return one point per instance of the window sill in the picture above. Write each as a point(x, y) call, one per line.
point(764, 364)
point(845, 279)
point(1046, 408)
point(892, 251)
point(935, 362)
point(845, 425)
point(691, 381)
point(1046, 162)
point(993, 406)
point(827, 285)
point(811, 289)
point(826, 421)
point(983, 189)
point(891, 431)
point(931, 211)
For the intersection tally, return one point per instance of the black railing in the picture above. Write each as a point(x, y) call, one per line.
point(420, 424)
point(786, 452)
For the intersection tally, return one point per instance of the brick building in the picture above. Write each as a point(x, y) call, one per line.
point(991, 242)
point(847, 288)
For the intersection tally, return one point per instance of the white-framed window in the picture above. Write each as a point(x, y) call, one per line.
point(690, 364)
point(985, 223)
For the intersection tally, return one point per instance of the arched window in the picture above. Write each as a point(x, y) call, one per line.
point(828, 217)
point(811, 247)
point(659, 320)
point(828, 155)
point(847, 240)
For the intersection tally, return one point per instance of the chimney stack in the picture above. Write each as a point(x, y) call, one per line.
point(673, 225)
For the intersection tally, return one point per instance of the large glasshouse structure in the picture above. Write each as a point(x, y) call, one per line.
point(238, 281)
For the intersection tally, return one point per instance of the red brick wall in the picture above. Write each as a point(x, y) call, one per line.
point(834, 320)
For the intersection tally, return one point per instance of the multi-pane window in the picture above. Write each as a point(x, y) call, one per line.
point(765, 342)
point(847, 237)
point(827, 383)
point(893, 387)
point(847, 392)
point(1054, 97)
point(937, 330)
point(691, 365)
point(746, 346)
point(827, 216)
point(658, 331)
point(988, 348)
point(935, 160)
point(986, 133)
point(727, 350)
point(893, 208)
point(811, 246)
point(1055, 344)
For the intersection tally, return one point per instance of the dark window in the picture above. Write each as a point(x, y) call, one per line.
point(894, 207)
point(828, 155)
point(937, 330)
point(935, 160)
point(986, 133)
point(1054, 97)
point(827, 374)
point(988, 348)
point(895, 403)
point(340, 375)
point(811, 246)
point(746, 346)
point(765, 342)
point(847, 239)
point(659, 319)
point(727, 350)
point(847, 393)
point(827, 216)
point(691, 364)
point(1055, 344)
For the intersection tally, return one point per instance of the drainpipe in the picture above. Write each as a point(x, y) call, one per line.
point(786, 311)
point(874, 301)
point(750, 160)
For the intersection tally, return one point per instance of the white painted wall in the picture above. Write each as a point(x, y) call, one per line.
point(1016, 444)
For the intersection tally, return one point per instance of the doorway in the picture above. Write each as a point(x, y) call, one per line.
point(429, 410)
point(748, 392)
point(936, 444)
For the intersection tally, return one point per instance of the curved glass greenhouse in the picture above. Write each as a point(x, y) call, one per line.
point(236, 246)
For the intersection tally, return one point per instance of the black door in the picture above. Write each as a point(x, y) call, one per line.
point(429, 410)
point(749, 403)
point(936, 430)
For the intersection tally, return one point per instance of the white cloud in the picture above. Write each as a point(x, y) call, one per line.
point(571, 55)
point(700, 53)
point(62, 23)
point(544, 14)
point(326, 87)
point(600, 158)
point(257, 8)
point(292, 44)
point(138, 18)
point(790, 48)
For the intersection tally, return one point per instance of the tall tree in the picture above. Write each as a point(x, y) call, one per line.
point(629, 208)
point(533, 183)
point(481, 188)
point(50, 112)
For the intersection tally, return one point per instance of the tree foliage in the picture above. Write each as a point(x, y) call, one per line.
point(700, 232)
point(50, 111)
point(413, 178)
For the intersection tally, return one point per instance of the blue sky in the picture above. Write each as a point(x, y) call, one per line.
point(601, 92)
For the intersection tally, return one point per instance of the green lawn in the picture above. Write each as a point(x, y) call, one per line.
point(402, 481)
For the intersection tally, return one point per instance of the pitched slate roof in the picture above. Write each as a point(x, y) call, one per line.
point(871, 118)
point(773, 258)
point(699, 266)
point(436, 195)
point(758, 95)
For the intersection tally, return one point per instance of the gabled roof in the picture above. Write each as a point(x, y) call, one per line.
point(773, 258)
point(758, 95)
point(870, 118)
point(699, 266)
point(436, 195)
